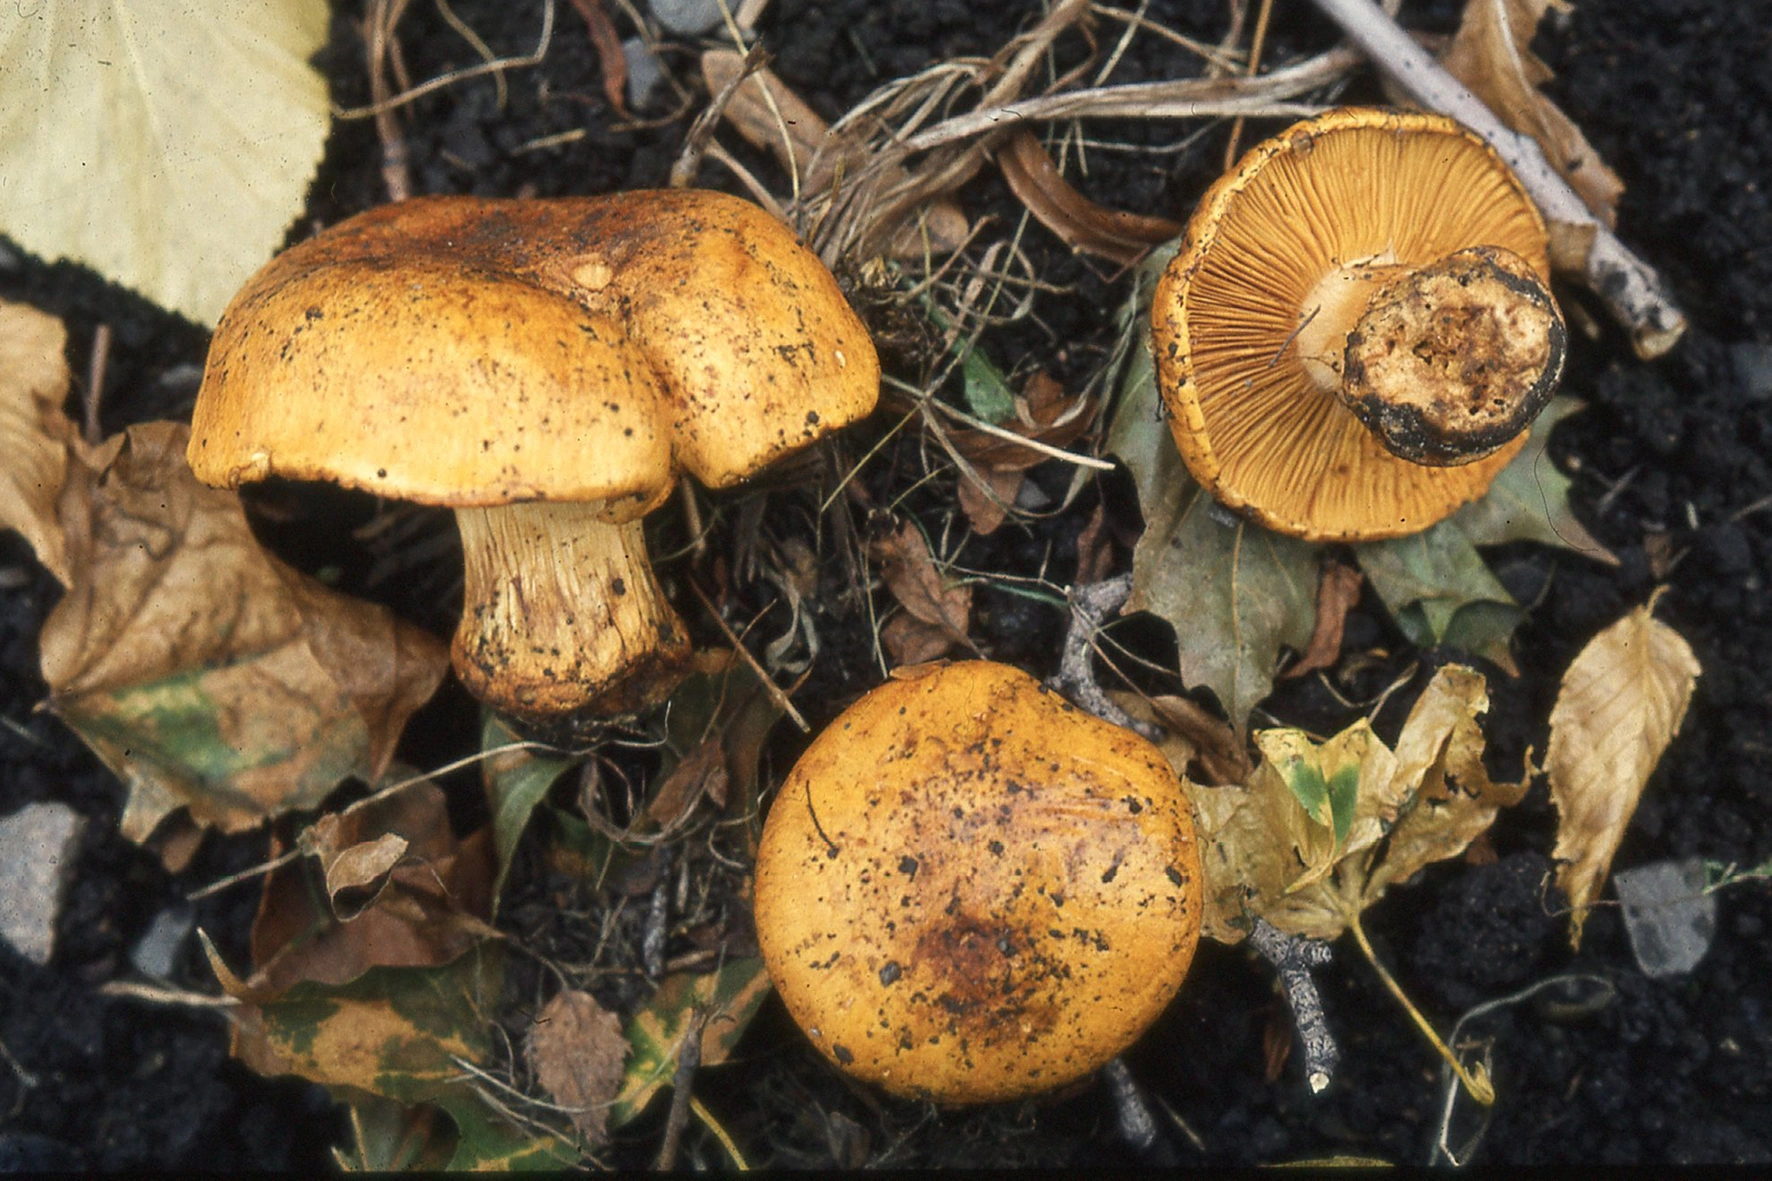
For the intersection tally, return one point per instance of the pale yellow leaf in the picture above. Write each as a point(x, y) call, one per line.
point(1492, 55)
point(1620, 704)
point(168, 144)
point(33, 431)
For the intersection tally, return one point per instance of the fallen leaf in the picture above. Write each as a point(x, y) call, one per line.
point(728, 998)
point(1322, 830)
point(202, 671)
point(1620, 704)
point(728, 701)
point(1095, 548)
point(909, 641)
point(1492, 55)
point(167, 146)
point(700, 774)
point(576, 1049)
point(396, 888)
point(986, 496)
point(1233, 592)
point(34, 433)
point(611, 61)
point(1338, 589)
point(1440, 591)
point(1529, 500)
point(1043, 412)
point(769, 115)
point(911, 575)
point(1217, 750)
point(1080, 223)
point(516, 781)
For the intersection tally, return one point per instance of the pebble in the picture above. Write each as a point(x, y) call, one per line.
point(687, 17)
point(157, 951)
point(1669, 917)
point(644, 71)
point(37, 849)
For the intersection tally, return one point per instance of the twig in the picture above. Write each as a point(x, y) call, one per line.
point(769, 686)
point(1138, 1124)
point(95, 384)
point(658, 923)
point(1293, 957)
point(1631, 290)
point(688, 1059)
point(701, 132)
point(395, 171)
point(1090, 605)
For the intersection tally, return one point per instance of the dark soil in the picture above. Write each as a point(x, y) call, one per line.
point(1671, 467)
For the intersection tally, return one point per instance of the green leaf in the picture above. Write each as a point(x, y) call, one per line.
point(987, 394)
point(1440, 591)
point(516, 781)
point(1529, 500)
point(489, 1143)
point(167, 145)
point(729, 998)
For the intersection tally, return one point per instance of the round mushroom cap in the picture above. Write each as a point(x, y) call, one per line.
point(1349, 187)
point(968, 890)
point(467, 351)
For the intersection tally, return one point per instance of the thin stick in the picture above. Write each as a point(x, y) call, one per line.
point(769, 686)
point(1293, 957)
point(688, 1060)
point(95, 383)
point(1476, 1082)
point(1629, 287)
point(1256, 42)
point(454, 76)
point(725, 1138)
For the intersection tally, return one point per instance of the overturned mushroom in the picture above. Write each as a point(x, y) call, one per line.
point(968, 890)
point(1356, 333)
point(546, 368)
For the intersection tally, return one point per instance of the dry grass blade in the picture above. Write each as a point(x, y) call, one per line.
point(1084, 226)
point(610, 58)
point(1338, 589)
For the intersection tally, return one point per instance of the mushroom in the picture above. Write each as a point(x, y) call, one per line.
point(1356, 332)
point(968, 890)
point(547, 368)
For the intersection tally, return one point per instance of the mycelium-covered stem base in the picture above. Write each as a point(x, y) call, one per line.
point(561, 614)
point(1444, 363)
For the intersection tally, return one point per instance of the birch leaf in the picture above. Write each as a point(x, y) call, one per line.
point(166, 145)
point(1620, 704)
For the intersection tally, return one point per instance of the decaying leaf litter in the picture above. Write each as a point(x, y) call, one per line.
point(973, 309)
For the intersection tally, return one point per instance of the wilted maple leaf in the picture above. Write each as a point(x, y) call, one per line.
point(167, 146)
point(34, 433)
point(1321, 830)
point(1440, 591)
point(1621, 703)
point(1492, 55)
point(1529, 500)
point(205, 673)
point(576, 1049)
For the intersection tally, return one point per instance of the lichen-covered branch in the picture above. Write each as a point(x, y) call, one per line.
point(1293, 957)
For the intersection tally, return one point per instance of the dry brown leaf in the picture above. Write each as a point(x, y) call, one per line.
point(701, 773)
point(1043, 413)
point(34, 433)
point(1338, 589)
point(1084, 226)
point(1323, 829)
point(1492, 55)
point(917, 583)
point(205, 673)
point(610, 59)
point(986, 511)
point(1620, 704)
point(802, 143)
point(910, 641)
point(399, 890)
point(1095, 548)
point(577, 1050)
point(1219, 755)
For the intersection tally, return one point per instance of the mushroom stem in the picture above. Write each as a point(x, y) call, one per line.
point(1444, 362)
point(562, 613)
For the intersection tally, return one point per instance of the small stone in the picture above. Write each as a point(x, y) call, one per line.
point(157, 951)
point(644, 70)
point(37, 849)
point(1669, 917)
point(687, 18)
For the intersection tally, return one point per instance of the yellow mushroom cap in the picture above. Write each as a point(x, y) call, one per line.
point(1350, 187)
point(467, 351)
point(968, 890)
